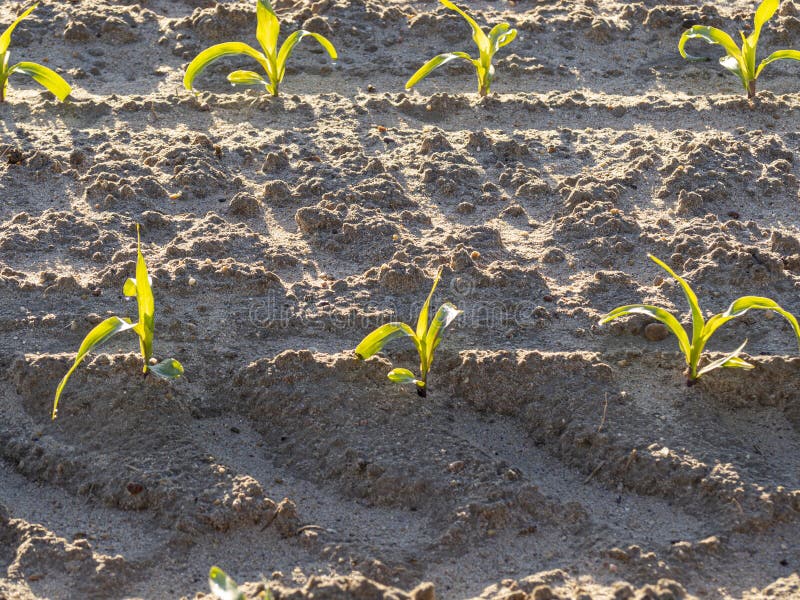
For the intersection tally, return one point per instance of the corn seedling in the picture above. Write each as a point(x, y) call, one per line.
point(500, 35)
point(426, 338)
point(140, 288)
point(272, 59)
point(225, 588)
point(740, 61)
point(702, 330)
point(42, 75)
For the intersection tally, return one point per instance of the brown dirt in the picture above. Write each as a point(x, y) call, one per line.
point(552, 458)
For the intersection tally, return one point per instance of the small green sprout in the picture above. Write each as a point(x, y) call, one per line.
point(225, 588)
point(702, 330)
point(426, 339)
point(272, 60)
point(741, 62)
point(42, 75)
point(140, 287)
point(499, 36)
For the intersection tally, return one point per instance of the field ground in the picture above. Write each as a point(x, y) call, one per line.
point(552, 457)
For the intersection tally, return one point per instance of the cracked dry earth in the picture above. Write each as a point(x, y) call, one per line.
point(552, 458)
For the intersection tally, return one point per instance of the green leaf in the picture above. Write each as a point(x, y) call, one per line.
point(435, 62)
point(375, 341)
point(209, 55)
point(246, 78)
point(778, 55)
point(222, 586)
point(268, 28)
point(764, 13)
point(45, 77)
point(691, 298)
point(96, 337)
point(659, 314)
point(422, 320)
point(500, 36)
point(732, 361)
point(5, 38)
point(478, 35)
point(167, 369)
point(444, 316)
point(290, 42)
point(145, 328)
point(712, 35)
point(745, 303)
point(403, 376)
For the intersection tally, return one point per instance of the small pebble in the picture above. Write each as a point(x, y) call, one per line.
point(655, 332)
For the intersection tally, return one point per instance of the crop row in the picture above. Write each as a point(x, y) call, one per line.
point(740, 60)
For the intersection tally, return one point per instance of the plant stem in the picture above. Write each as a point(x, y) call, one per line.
point(751, 89)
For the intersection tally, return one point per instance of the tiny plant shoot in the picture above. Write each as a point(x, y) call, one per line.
point(702, 330)
point(272, 60)
point(499, 36)
point(42, 75)
point(426, 339)
point(225, 588)
point(138, 287)
point(740, 61)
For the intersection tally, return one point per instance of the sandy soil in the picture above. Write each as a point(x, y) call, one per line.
point(552, 458)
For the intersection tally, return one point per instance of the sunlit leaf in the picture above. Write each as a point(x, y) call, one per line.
point(222, 586)
point(167, 369)
point(292, 41)
point(403, 376)
point(145, 328)
point(659, 314)
point(441, 320)
point(101, 333)
point(779, 55)
point(44, 77)
point(422, 320)
point(246, 78)
point(209, 55)
point(731, 360)
point(434, 63)
point(268, 27)
point(478, 36)
point(375, 341)
point(5, 38)
point(711, 35)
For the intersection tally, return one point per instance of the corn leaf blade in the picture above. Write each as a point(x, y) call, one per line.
point(375, 341)
point(99, 335)
point(500, 36)
point(45, 77)
point(741, 305)
point(222, 586)
point(711, 35)
point(731, 360)
point(290, 42)
point(446, 314)
point(145, 328)
point(246, 78)
point(691, 298)
point(422, 320)
point(268, 27)
point(5, 38)
point(778, 55)
point(403, 376)
point(209, 55)
point(167, 369)
point(477, 33)
point(659, 314)
point(765, 11)
point(436, 62)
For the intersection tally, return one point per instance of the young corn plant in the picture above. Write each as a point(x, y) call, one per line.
point(272, 59)
point(426, 339)
point(702, 330)
point(224, 587)
point(740, 61)
point(42, 75)
point(500, 35)
point(140, 288)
